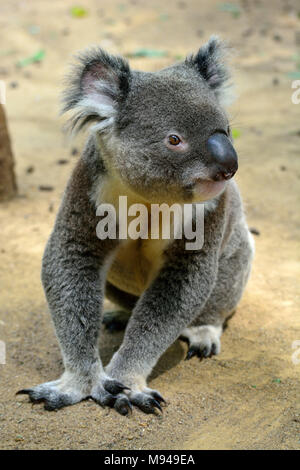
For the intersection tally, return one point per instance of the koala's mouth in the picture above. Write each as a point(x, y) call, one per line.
point(208, 189)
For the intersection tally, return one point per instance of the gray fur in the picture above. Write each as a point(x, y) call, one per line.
point(192, 292)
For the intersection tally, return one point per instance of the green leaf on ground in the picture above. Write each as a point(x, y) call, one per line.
point(294, 75)
point(296, 58)
point(232, 8)
point(236, 133)
point(78, 12)
point(277, 381)
point(164, 17)
point(37, 57)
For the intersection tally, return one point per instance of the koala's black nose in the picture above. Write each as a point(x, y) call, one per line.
point(223, 156)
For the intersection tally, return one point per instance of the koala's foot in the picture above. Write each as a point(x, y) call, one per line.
point(146, 399)
point(137, 394)
point(115, 320)
point(71, 389)
point(204, 341)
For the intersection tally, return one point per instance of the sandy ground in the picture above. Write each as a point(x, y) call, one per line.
point(248, 396)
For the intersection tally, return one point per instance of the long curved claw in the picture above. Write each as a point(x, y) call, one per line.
point(203, 353)
point(146, 403)
point(213, 351)
point(114, 387)
point(158, 397)
point(193, 351)
point(123, 406)
point(156, 404)
point(24, 391)
point(52, 401)
point(30, 393)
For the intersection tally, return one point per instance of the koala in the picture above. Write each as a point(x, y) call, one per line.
point(161, 137)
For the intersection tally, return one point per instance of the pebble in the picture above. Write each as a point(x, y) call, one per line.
point(30, 169)
point(254, 231)
point(45, 188)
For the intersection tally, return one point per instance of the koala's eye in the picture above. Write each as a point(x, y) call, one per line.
point(174, 139)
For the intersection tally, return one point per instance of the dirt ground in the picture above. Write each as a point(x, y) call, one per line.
point(248, 396)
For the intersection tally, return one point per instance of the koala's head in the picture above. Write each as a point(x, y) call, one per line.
point(165, 134)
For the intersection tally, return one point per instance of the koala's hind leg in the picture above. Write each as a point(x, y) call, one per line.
point(116, 320)
point(204, 333)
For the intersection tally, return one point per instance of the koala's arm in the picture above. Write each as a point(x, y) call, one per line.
point(73, 275)
point(169, 305)
point(72, 272)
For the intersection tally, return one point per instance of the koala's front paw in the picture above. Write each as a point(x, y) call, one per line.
point(204, 341)
point(71, 389)
point(146, 399)
point(107, 391)
point(54, 395)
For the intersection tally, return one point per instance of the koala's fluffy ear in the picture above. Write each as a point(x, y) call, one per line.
point(96, 86)
point(210, 62)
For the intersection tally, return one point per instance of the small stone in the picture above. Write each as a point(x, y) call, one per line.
point(43, 187)
point(254, 231)
point(30, 169)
